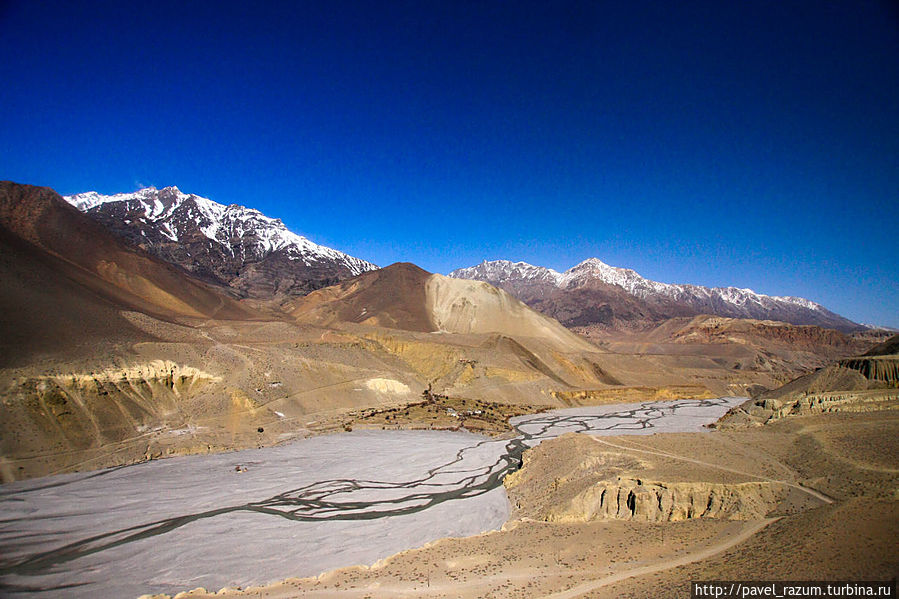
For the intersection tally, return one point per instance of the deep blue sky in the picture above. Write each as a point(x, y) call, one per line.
point(750, 143)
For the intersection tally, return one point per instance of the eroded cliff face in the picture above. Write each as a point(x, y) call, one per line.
point(884, 369)
point(78, 411)
point(657, 501)
point(575, 479)
point(860, 384)
point(833, 401)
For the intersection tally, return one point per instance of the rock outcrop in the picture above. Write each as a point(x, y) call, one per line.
point(884, 369)
point(657, 501)
point(574, 479)
point(833, 401)
point(859, 384)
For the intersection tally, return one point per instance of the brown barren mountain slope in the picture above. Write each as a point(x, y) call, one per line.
point(603, 305)
point(465, 307)
point(856, 384)
point(595, 293)
point(887, 348)
point(43, 313)
point(764, 354)
point(392, 297)
point(89, 255)
point(403, 296)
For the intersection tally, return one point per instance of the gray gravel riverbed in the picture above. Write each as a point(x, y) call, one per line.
point(261, 515)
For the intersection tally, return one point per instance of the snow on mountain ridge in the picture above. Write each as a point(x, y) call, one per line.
point(503, 270)
point(91, 199)
point(629, 280)
point(174, 211)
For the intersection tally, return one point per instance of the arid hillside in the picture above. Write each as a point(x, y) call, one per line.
point(88, 254)
point(405, 297)
point(110, 356)
point(764, 353)
point(865, 383)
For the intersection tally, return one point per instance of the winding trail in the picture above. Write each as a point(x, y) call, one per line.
point(748, 531)
point(485, 583)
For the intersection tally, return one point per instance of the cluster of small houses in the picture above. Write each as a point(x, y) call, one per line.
point(433, 397)
point(455, 414)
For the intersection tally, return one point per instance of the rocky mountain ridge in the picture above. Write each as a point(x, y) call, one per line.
point(253, 254)
point(599, 286)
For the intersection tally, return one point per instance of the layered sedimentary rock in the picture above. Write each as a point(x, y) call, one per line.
point(82, 410)
point(575, 479)
point(658, 501)
point(832, 401)
point(859, 384)
point(88, 419)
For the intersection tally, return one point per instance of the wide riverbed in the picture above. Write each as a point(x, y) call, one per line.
point(261, 515)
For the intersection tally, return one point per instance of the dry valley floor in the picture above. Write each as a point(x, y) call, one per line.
point(810, 497)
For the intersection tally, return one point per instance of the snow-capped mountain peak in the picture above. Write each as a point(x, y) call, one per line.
point(504, 270)
point(594, 268)
point(157, 203)
point(536, 282)
point(210, 238)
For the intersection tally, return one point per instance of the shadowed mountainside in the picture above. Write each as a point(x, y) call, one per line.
point(67, 281)
point(888, 347)
point(88, 254)
point(392, 297)
point(45, 313)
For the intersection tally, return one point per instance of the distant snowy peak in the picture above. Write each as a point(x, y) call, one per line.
point(531, 282)
point(644, 288)
point(501, 271)
point(176, 215)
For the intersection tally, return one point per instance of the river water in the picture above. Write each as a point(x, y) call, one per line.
point(262, 515)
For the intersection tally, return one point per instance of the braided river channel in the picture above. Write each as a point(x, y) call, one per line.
point(257, 516)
